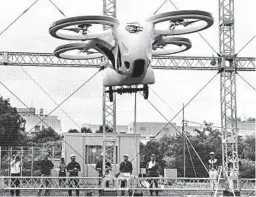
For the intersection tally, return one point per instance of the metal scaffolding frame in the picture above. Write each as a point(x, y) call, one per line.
point(228, 92)
point(227, 63)
point(160, 62)
point(109, 108)
point(182, 185)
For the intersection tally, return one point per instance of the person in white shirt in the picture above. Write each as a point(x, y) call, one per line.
point(153, 170)
point(15, 171)
point(212, 168)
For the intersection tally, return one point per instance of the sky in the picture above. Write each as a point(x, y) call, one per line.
point(30, 34)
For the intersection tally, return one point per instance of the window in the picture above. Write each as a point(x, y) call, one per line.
point(143, 128)
point(37, 128)
point(166, 129)
point(92, 154)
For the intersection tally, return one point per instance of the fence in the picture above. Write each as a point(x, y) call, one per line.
point(29, 156)
point(183, 185)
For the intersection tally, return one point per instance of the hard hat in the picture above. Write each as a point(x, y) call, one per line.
point(153, 155)
point(126, 155)
point(212, 153)
point(72, 155)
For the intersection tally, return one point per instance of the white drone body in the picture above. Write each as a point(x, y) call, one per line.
point(128, 47)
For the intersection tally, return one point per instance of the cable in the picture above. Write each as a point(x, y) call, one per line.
point(208, 43)
point(191, 159)
point(185, 105)
point(49, 96)
point(163, 101)
point(173, 5)
point(20, 101)
point(246, 44)
point(247, 82)
point(160, 7)
point(69, 96)
point(169, 122)
point(57, 105)
point(57, 8)
point(42, 120)
point(18, 17)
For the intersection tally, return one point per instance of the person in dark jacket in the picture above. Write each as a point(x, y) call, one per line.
point(125, 171)
point(153, 170)
point(45, 167)
point(99, 168)
point(73, 168)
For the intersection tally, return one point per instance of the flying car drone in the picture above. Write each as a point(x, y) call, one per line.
point(128, 47)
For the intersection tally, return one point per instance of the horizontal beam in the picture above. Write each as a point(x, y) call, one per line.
point(171, 62)
point(92, 183)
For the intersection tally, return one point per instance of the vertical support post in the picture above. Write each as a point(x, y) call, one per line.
point(32, 160)
point(53, 153)
point(135, 132)
point(184, 142)
point(21, 167)
point(109, 108)
point(9, 165)
point(0, 160)
point(228, 90)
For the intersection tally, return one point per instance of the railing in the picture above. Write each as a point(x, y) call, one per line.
point(134, 183)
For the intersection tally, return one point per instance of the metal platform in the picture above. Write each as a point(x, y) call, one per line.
point(190, 185)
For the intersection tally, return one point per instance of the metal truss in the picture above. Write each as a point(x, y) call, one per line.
point(90, 183)
point(44, 60)
point(109, 108)
point(109, 8)
point(109, 130)
point(161, 62)
point(228, 93)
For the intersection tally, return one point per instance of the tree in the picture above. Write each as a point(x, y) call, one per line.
point(107, 128)
point(73, 131)
point(11, 124)
point(46, 135)
point(250, 119)
point(86, 130)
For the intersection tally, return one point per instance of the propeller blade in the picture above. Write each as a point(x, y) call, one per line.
point(185, 24)
point(74, 29)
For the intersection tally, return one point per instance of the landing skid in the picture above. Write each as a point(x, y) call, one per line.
point(127, 90)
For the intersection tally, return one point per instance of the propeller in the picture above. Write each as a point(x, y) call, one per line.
point(80, 28)
point(174, 23)
point(185, 24)
point(88, 51)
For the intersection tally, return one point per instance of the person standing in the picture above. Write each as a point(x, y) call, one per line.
point(45, 167)
point(153, 170)
point(125, 172)
point(99, 168)
point(15, 171)
point(73, 168)
point(62, 172)
point(212, 168)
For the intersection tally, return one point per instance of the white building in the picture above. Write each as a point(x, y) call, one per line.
point(151, 129)
point(246, 128)
point(32, 120)
point(95, 127)
point(88, 148)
